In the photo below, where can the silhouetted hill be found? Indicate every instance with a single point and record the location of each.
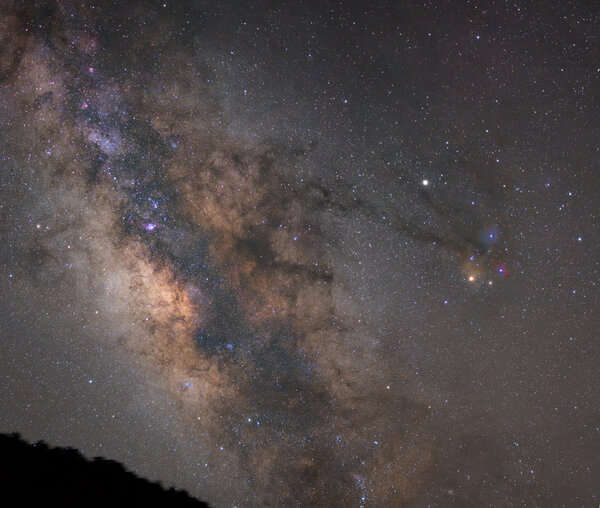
(39, 475)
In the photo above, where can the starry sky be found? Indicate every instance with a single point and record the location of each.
(312, 253)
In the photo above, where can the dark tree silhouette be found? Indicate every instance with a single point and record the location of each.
(40, 475)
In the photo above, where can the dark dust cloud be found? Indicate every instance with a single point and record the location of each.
(306, 253)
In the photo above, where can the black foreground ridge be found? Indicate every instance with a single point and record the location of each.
(40, 475)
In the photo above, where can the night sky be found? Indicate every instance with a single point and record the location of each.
(306, 253)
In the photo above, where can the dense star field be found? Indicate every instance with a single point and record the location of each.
(306, 253)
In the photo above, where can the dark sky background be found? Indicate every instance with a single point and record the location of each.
(306, 253)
